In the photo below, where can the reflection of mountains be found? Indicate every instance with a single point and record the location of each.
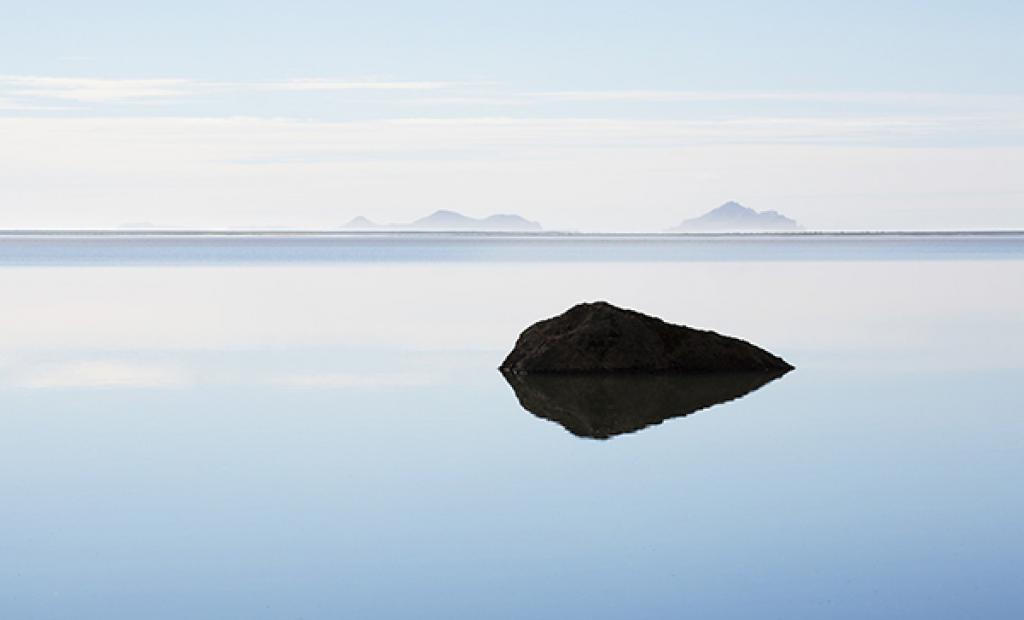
(604, 405)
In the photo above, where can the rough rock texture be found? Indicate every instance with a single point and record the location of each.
(599, 337)
(600, 406)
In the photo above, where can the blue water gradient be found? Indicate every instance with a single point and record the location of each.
(263, 464)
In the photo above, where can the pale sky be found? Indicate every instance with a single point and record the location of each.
(587, 116)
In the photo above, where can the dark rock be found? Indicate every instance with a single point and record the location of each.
(600, 406)
(600, 338)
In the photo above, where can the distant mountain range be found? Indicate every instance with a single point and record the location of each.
(734, 217)
(450, 220)
(729, 217)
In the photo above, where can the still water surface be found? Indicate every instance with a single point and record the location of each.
(326, 435)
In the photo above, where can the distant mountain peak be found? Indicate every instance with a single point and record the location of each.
(733, 207)
(445, 219)
(734, 217)
(360, 222)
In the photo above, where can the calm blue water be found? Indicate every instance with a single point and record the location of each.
(286, 428)
(156, 248)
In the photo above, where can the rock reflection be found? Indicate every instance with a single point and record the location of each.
(600, 406)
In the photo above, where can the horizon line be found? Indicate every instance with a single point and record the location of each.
(151, 232)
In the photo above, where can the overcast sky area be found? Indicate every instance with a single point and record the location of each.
(602, 116)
